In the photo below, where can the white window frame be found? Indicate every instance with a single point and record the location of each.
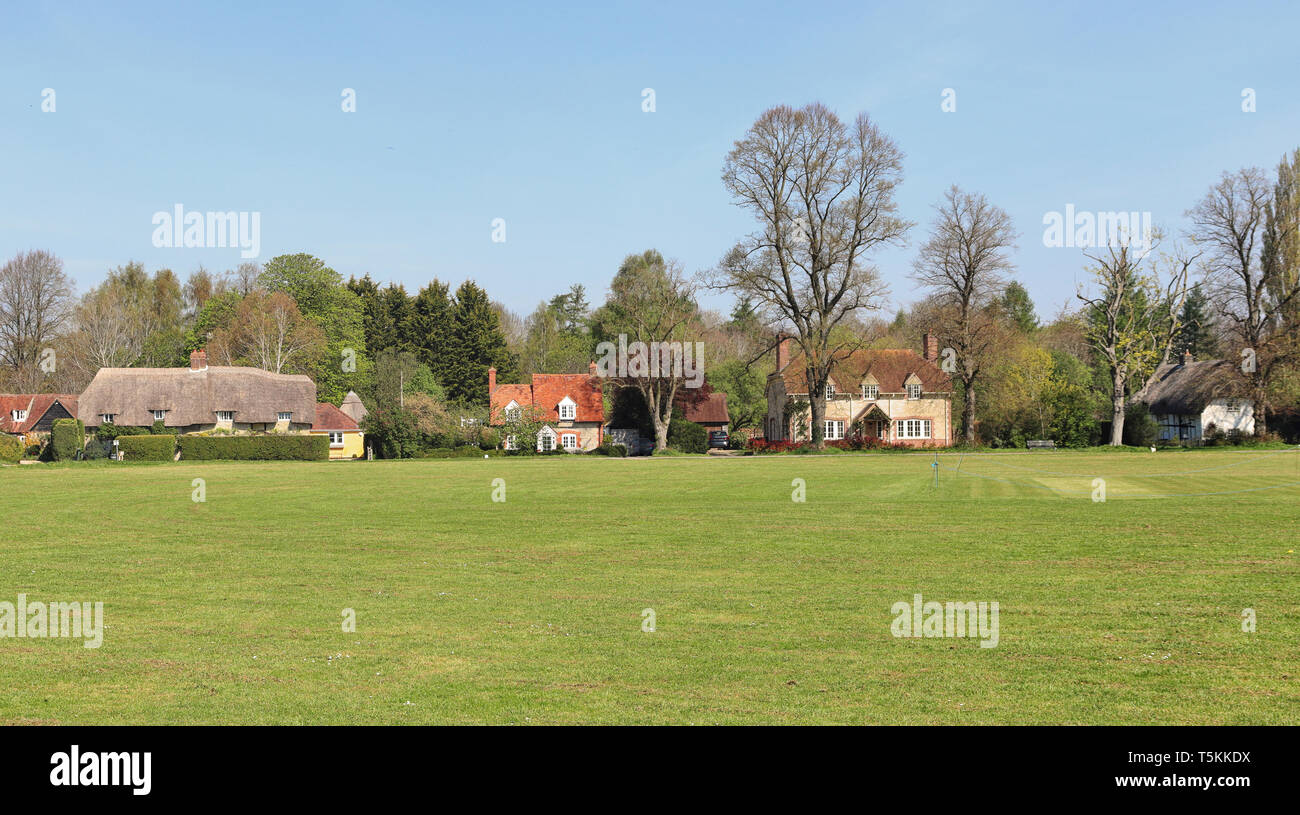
(833, 429)
(1232, 405)
(512, 443)
(339, 435)
(870, 391)
(912, 429)
(568, 410)
(513, 411)
(830, 390)
(546, 439)
(107, 418)
(914, 391)
(569, 442)
(226, 416)
(159, 415)
(284, 416)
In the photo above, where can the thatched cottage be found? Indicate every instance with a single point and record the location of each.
(199, 398)
(1190, 400)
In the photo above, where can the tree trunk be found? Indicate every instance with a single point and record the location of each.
(817, 411)
(1117, 412)
(661, 432)
(968, 413)
(1261, 421)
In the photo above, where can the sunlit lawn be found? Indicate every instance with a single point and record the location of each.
(766, 610)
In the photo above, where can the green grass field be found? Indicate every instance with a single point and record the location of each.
(766, 610)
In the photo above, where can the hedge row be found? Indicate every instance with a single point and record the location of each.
(67, 438)
(11, 450)
(255, 448)
(147, 448)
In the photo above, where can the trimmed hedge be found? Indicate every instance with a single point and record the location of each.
(147, 448)
(688, 437)
(255, 448)
(67, 438)
(11, 450)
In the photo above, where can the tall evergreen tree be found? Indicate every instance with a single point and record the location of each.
(429, 328)
(1015, 307)
(477, 343)
(1196, 327)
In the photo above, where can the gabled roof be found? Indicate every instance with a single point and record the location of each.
(329, 417)
(1187, 388)
(36, 405)
(546, 391)
(193, 397)
(705, 408)
(889, 367)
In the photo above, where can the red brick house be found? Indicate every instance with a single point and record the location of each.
(571, 408)
(894, 395)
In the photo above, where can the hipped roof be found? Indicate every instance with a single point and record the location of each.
(193, 397)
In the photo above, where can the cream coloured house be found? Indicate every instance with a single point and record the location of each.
(891, 395)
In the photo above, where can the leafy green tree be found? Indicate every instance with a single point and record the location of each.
(429, 328)
(1017, 309)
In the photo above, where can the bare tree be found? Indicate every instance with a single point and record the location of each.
(1251, 296)
(271, 333)
(823, 194)
(35, 300)
(1133, 322)
(105, 334)
(964, 264)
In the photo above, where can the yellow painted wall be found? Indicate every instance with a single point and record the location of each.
(354, 444)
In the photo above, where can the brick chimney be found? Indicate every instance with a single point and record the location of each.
(591, 367)
(931, 349)
(199, 360)
(492, 380)
(782, 351)
(1187, 357)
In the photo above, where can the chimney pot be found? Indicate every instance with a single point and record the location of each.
(492, 380)
(782, 351)
(198, 360)
(591, 367)
(930, 351)
(1187, 357)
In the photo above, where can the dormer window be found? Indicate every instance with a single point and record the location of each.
(568, 410)
(870, 391)
(20, 415)
(913, 391)
(830, 390)
(513, 411)
(225, 415)
(284, 416)
(159, 415)
(107, 418)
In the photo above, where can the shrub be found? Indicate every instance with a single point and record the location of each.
(11, 450)
(1140, 427)
(255, 448)
(160, 429)
(67, 438)
(147, 448)
(467, 451)
(688, 437)
(107, 431)
(97, 449)
(612, 450)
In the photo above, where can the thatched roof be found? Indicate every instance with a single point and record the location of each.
(353, 407)
(193, 397)
(1185, 389)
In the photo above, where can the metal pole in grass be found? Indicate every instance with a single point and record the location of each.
(935, 465)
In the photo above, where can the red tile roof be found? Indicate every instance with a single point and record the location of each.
(545, 393)
(36, 404)
(704, 408)
(889, 366)
(329, 417)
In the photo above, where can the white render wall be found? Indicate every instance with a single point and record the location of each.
(1216, 413)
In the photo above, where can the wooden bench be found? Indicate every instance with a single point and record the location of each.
(1041, 444)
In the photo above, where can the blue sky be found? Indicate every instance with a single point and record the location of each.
(532, 113)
